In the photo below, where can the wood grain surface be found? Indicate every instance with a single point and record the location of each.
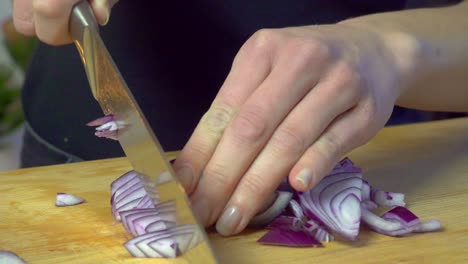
(428, 162)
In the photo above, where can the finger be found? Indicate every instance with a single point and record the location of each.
(249, 69)
(347, 132)
(335, 94)
(291, 78)
(23, 18)
(51, 18)
(102, 10)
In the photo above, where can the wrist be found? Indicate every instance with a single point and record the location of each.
(404, 50)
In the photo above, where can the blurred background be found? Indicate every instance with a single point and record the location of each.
(16, 50)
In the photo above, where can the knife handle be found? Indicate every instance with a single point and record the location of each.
(82, 18)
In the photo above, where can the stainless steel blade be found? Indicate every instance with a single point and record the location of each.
(138, 141)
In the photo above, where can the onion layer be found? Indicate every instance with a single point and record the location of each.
(8, 257)
(66, 199)
(337, 204)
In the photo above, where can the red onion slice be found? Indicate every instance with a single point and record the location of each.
(398, 222)
(154, 226)
(8, 257)
(128, 206)
(107, 127)
(124, 187)
(375, 197)
(163, 246)
(101, 120)
(128, 176)
(286, 222)
(335, 201)
(66, 199)
(129, 217)
(169, 243)
(273, 211)
(289, 238)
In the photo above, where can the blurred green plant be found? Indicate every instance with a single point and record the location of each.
(20, 49)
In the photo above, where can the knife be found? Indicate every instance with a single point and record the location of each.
(136, 137)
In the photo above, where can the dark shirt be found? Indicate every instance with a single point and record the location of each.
(174, 56)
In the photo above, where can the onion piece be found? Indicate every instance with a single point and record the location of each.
(390, 199)
(375, 197)
(66, 199)
(169, 243)
(8, 257)
(101, 120)
(289, 238)
(273, 211)
(107, 127)
(128, 176)
(286, 222)
(299, 222)
(144, 218)
(127, 193)
(336, 202)
(398, 222)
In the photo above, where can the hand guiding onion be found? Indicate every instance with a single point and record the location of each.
(295, 101)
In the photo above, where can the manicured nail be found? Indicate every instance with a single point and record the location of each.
(185, 176)
(102, 4)
(305, 177)
(229, 221)
(201, 209)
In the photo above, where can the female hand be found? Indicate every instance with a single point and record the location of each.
(49, 19)
(295, 101)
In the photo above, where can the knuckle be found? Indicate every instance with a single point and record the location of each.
(350, 81)
(288, 141)
(254, 185)
(329, 145)
(261, 41)
(219, 179)
(250, 124)
(49, 8)
(368, 119)
(217, 118)
(314, 50)
(262, 37)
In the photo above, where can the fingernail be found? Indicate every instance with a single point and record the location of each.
(305, 177)
(229, 221)
(185, 176)
(202, 211)
(102, 4)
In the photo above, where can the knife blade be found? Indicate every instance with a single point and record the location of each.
(136, 137)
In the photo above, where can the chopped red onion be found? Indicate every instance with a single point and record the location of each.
(142, 218)
(286, 222)
(106, 127)
(169, 243)
(289, 238)
(8, 257)
(335, 201)
(299, 222)
(397, 222)
(273, 211)
(66, 199)
(127, 193)
(380, 197)
(338, 203)
(101, 121)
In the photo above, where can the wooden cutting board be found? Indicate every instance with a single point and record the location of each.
(428, 162)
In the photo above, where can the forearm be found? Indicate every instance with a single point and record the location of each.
(430, 47)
